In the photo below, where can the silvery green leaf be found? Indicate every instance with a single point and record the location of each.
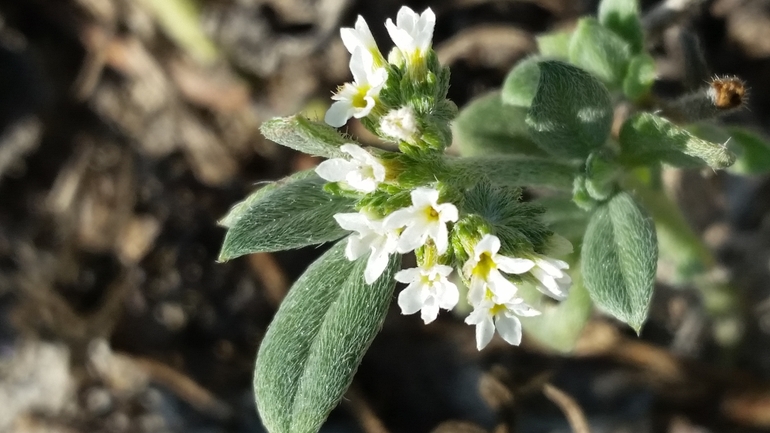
(554, 44)
(640, 77)
(317, 339)
(619, 259)
(622, 17)
(646, 138)
(293, 215)
(520, 84)
(600, 51)
(235, 212)
(302, 134)
(513, 170)
(753, 150)
(571, 114)
(487, 126)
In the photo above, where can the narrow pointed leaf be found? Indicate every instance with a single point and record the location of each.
(316, 341)
(646, 138)
(302, 134)
(293, 215)
(571, 113)
(487, 126)
(619, 260)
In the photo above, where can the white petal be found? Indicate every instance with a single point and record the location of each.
(411, 238)
(360, 65)
(339, 113)
(488, 244)
(398, 218)
(513, 265)
(358, 153)
(429, 311)
(549, 285)
(447, 212)
(450, 296)
(411, 299)
(522, 309)
(442, 238)
(406, 18)
(423, 197)
(477, 290)
(375, 266)
(485, 330)
(442, 270)
(503, 289)
(355, 248)
(509, 328)
(335, 169)
(356, 180)
(552, 266)
(425, 28)
(360, 36)
(408, 275)
(353, 221)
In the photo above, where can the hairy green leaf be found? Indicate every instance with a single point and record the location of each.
(520, 85)
(554, 44)
(640, 77)
(646, 138)
(622, 17)
(600, 51)
(754, 157)
(293, 215)
(514, 170)
(564, 217)
(239, 209)
(571, 114)
(619, 259)
(487, 126)
(300, 133)
(317, 339)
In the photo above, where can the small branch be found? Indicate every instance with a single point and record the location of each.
(570, 407)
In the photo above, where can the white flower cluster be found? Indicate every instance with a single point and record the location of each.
(495, 299)
(412, 34)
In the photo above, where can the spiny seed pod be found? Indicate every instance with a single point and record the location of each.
(721, 96)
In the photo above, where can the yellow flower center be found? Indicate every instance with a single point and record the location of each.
(484, 266)
(497, 309)
(358, 100)
(431, 214)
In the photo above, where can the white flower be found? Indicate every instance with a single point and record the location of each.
(412, 33)
(357, 99)
(424, 219)
(428, 290)
(361, 37)
(483, 269)
(363, 172)
(552, 280)
(370, 236)
(400, 124)
(488, 315)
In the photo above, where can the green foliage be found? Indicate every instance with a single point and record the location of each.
(622, 17)
(640, 77)
(486, 126)
(296, 214)
(564, 217)
(571, 113)
(619, 259)
(560, 324)
(646, 138)
(516, 223)
(300, 133)
(238, 210)
(514, 170)
(554, 45)
(316, 341)
(600, 51)
(520, 85)
(752, 148)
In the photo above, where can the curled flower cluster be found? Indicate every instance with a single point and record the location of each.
(426, 216)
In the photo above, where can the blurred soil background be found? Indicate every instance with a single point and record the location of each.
(128, 127)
